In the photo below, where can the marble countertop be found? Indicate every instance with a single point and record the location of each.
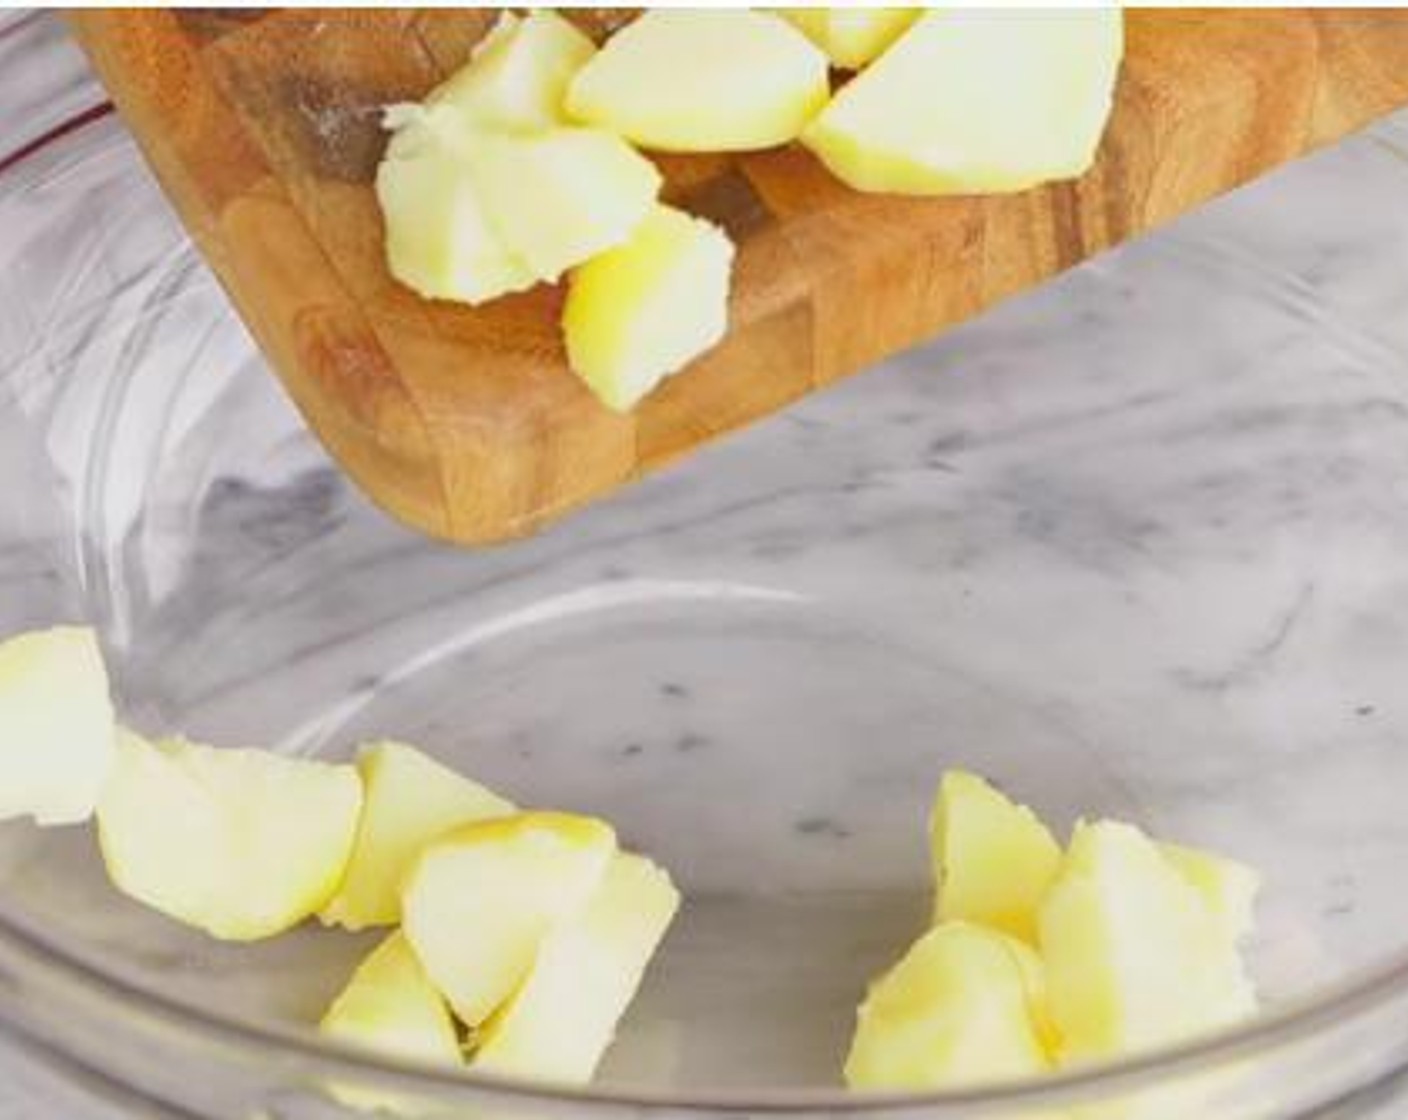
(1270, 403)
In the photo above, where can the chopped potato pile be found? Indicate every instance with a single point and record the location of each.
(518, 938)
(522, 936)
(1040, 958)
(522, 167)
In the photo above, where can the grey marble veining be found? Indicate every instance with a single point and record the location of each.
(1132, 543)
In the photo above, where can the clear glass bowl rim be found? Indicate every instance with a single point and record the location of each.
(112, 1000)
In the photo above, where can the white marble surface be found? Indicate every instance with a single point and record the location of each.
(1132, 543)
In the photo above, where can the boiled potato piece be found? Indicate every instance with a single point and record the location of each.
(695, 80)
(851, 37)
(1228, 888)
(390, 1006)
(1134, 959)
(956, 1010)
(478, 903)
(993, 859)
(560, 197)
(243, 844)
(409, 800)
(643, 310)
(976, 100)
(559, 1023)
(440, 241)
(517, 77)
(56, 725)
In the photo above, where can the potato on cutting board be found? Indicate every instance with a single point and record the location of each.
(829, 278)
(518, 75)
(642, 310)
(976, 100)
(851, 37)
(702, 80)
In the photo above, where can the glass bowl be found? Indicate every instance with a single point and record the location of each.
(1132, 545)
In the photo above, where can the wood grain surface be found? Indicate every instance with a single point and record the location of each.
(263, 128)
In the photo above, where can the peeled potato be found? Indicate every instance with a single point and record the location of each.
(851, 37)
(958, 1009)
(389, 1005)
(558, 198)
(56, 725)
(702, 80)
(1228, 888)
(559, 1023)
(243, 844)
(517, 77)
(976, 100)
(440, 241)
(993, 859)
(410, 800)
(478, 903)
(646, 308)
(1134, 959)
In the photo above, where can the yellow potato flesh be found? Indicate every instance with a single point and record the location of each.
(389, 1005)
(695, 80)
(558, 198)
(956, 1010)
(851, 37)
(1134, 959)
(56, 725)
(410, 800)
(559, 1023)
(993, 859)
(440, 242)
(1228, 888)
(517, 77)
(645, 309)
(976, 100)
(243, 844)
(477, 904)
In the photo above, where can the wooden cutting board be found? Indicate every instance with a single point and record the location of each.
(263, 128)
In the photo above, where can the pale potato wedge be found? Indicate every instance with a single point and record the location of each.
(242, 844)
(702, 80)
(517, 77)
(440, 240)
(956, 1010)
(558, 198)
(56, 725)
(993, 859)
(478, 903)
(641, 311)
(409, 800)
(560, 1022)
(390, 1006)
(1134, 959)
(976, 100)
(851, 37)
(1228, 888)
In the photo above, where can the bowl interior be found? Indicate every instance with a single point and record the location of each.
(1131, 546)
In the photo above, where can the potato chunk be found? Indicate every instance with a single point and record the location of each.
(702, 80)
(975, 100)
(642, 311)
